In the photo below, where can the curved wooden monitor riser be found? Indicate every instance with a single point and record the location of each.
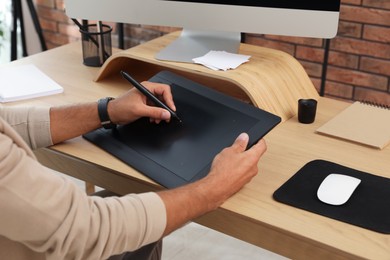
(272, 80)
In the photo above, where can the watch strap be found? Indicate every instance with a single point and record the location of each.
(103, 113)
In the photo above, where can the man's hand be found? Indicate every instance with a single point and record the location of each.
(133, 105)
(231, 169)
(74, 120)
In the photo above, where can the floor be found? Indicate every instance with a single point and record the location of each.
(194, 242)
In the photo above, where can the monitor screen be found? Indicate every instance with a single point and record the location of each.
(222, 20)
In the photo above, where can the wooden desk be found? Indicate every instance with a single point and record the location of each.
(251, 215)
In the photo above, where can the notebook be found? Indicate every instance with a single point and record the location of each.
(362, 122)
(174, 154)
(24, 82)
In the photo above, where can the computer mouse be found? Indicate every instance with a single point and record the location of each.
(336, 188)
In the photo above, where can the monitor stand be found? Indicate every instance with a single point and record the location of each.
(194, 43)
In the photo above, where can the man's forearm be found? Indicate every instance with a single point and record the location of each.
(187, 203)
(67, 122)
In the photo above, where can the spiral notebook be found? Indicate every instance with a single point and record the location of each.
(362, 122)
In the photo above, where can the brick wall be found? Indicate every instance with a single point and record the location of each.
(359, 57)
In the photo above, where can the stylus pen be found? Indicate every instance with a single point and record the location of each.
(148, 94)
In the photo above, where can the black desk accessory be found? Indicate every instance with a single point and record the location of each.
(83, 28)
(307, 110)
(174, 154)
(368, 207)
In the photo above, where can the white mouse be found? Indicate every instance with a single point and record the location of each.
(336, 189)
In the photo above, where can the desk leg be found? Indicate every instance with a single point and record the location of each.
(89, 188)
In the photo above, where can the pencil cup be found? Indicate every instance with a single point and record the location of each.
(307, 110)
(96, 44)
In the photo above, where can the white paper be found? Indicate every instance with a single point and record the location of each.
(222, 60)
(24, 82)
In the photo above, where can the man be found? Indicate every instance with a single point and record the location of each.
(44, 216)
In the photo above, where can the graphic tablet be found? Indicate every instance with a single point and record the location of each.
(174, 154)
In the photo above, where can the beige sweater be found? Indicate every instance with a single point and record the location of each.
(45, 216)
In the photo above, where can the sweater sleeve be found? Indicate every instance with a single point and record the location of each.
(31, 123)
(50, 214)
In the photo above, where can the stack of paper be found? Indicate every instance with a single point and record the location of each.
(221, 60)
(25, 81)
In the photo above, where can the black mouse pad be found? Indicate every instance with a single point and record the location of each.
(368, 207)
(174, 154)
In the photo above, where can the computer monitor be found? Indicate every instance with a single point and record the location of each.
(215, 24)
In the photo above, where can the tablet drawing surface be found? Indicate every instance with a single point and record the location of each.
(176, 153)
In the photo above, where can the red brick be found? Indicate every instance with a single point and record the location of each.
(335, 58)
(338, 89)
(365, 15)
(376, 66)
(129, 43)
(353, 2)
(49, 45)
(339, 59)
(357, 78)
(310, 53)
(114, 41)
(52, 14)
(361, 47)
(48, 25)
(373, 96)
(377, 33)
(260, 41)
(111, 24)
(350, 29)
(342, 59)
(60, 5)
(316, 82)
(72, 39)
(163, 29)
(297, 40)
(385, 4)
(56, 38)
(312, 69)
(142, 34)
(69, 30)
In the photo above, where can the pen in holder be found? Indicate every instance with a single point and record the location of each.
(96, 44)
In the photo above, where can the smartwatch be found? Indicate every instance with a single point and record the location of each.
(103, 113)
